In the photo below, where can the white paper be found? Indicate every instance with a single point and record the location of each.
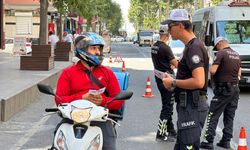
(97, 92)
(159, 74)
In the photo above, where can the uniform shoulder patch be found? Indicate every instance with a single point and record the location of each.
(196, 59)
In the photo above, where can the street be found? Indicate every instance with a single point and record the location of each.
(32, 128)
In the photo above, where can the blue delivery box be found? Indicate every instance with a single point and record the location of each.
(123, 78)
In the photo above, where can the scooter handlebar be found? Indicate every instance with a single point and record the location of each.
(51, 109)
(115, 116)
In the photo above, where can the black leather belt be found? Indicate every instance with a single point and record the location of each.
(192, 93)
(226, 84)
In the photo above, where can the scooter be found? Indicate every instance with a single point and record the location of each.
(74, 131)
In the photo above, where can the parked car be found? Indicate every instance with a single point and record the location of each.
(117, 39)
(9, 45)
(16, 46)
(135, 39)
(28, 46)
(177, 47)
(156, 37)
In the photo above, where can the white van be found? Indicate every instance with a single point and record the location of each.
(145, 37)
(230, 20)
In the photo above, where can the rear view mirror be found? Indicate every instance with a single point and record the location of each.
(45, 89)
(208, 40)
(124, 95)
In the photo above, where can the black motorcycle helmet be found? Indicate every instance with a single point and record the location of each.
(82, 43)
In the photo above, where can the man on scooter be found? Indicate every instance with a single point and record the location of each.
(75, 82)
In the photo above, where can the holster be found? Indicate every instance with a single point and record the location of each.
(222, 88)
(196, 95)
(183, 99)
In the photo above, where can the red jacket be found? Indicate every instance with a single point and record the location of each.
(74, 82)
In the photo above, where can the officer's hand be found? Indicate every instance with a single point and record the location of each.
(172, 67)
(167, 82)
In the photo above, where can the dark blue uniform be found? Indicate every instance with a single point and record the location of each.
(226, 95)
(161, 56)
(192, 105)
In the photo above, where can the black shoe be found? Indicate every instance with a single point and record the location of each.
(206, 145)
(164, 138)
(172, 133)
(224, 144)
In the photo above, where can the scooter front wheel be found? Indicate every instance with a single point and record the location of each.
(53, 148)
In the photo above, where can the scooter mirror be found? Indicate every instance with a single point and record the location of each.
(45, 89)
(123, 95)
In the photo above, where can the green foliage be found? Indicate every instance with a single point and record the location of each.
(114, 20)
(61, 6)
(147, 14)
(107, 12)
(216, 2)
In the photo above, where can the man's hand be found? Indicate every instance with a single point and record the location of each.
(167, 82)
(96, 99)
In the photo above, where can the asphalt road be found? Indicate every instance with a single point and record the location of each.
(31, 129)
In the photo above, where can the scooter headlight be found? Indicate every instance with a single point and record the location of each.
(95, 143)
(80, 115)
(61, 141)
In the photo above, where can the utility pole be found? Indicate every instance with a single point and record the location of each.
(2, 42)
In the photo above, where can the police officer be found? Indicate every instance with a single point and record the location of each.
(190, 85)
(164, 60)
(226, 72)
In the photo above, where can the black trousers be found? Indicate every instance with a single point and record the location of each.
(167, 100)
(226, 102)
(190, 122)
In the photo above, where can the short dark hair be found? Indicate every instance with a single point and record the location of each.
(187, 24)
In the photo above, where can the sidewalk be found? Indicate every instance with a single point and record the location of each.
(18, 87)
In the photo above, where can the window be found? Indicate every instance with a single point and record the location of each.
(146, 33)
(9, 12)
(9, 41)
(236, 32)
(23, 23)
(197, 29)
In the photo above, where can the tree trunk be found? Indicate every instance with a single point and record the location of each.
(60, 29)
(167, 8)
(43, 34)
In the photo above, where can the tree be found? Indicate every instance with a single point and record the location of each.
(107, 12)
(114, 21)
(43, 33)
(147, 14)
(62, 7)
(135, 13)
